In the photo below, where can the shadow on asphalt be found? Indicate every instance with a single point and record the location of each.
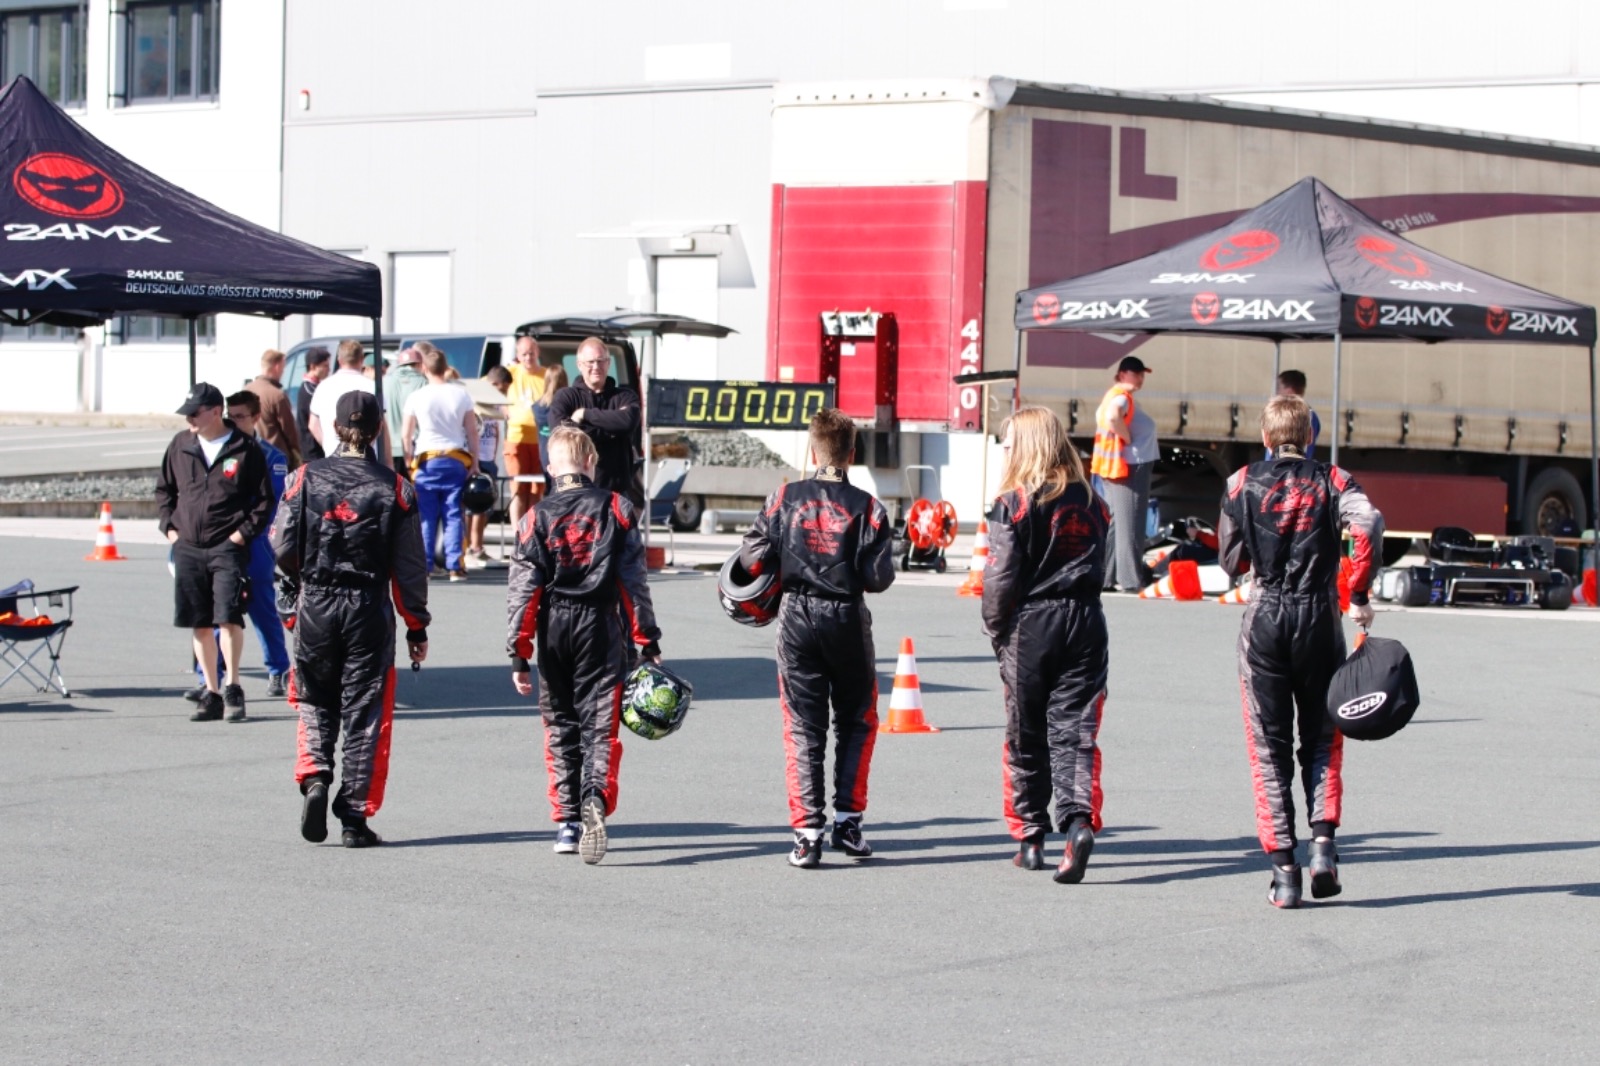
(1591, 890)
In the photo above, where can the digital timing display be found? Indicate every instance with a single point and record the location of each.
(736, 404)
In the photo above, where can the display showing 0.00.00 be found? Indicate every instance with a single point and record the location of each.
(736, 404)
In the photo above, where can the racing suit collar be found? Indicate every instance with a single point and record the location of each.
(569, 482)
(832, 473)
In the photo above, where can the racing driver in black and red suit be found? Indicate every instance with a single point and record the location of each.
(348, 532)
(577, 583)
(830, 542)
(1282, 518)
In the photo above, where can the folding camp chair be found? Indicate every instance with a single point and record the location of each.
(665, 487)
(24, 636)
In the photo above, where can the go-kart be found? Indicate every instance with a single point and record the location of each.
(1462, 571)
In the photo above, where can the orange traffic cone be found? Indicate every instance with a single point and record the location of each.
(1181, 583)
(905, 702)
(973, 585)
(1238, 594)
(105, 540)
(1583, 593)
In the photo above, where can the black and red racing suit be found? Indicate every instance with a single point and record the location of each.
(577, 585)
(1282, 518)
(348, 532)
(831, 542)
(1041, 611)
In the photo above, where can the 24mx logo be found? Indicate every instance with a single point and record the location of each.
(35, 280)
(67, 231)
(1413, 315)
(1540, 322)
(1075, 311)
(1197, 279)
(1237, 309)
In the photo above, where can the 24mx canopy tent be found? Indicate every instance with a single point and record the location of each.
(90, 235)
(1309, 265)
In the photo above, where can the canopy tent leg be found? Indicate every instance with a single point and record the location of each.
(1337, 369)
(387, 455)
(1277, 365)
(1594, 451)
(193, 374)
(1016, 384)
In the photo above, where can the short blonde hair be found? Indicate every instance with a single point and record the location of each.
(833, 436)
(1042, 461)
(271, 358)
(573, 446)
(1286, 420)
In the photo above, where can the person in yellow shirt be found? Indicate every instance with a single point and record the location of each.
(522, 428)
(1125, 454)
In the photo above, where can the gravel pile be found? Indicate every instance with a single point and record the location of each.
(723, 448)
(88, 489)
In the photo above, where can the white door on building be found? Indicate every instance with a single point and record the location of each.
(687, 285)
(420, 283)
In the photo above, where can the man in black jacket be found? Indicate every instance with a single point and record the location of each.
(348, 532)
(214, 494)
(609, 414)
(830, 542)
(577, 583)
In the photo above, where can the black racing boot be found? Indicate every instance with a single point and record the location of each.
(357, 835)
(848, 839)
(1324, 869)
(314, 811)
(1030, 853)
(807, 853)
(1075, 860)
(1286, 883)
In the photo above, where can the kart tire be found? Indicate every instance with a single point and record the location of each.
(1557, 595)
(1410, 591)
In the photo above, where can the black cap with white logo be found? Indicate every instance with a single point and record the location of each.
(201, 394)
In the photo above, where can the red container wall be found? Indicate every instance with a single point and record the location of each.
(915, 250)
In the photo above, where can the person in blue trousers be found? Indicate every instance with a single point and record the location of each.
(440, 434)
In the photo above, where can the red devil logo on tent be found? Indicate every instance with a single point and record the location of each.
(1381, 252)
(1205, 307)
(1046, 306)
(1366, 312)
(1241, 249)
(1497, 320)
(66, 185)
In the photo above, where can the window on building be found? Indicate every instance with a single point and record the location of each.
(160, 329)
(37, 334)
(173, 51)
(47, 45)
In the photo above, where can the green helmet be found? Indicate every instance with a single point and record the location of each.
(655, 701)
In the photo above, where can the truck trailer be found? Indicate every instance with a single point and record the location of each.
(906, 218)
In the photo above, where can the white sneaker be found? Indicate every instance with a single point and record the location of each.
(475, 562)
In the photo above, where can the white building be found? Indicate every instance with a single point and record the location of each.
(502, 159)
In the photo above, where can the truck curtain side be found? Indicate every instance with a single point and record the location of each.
(875, 192)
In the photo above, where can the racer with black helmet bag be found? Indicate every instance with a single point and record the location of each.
(577, 585)
(1282, 517)
(829, 542)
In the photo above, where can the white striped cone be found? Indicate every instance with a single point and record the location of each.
(105, 540)
(973, 585)
(1238, 594)
(905, 701)
(1160, 590)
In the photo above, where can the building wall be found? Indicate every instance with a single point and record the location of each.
(227, 152)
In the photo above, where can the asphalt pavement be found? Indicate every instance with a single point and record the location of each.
(159, 906)
(57, 450)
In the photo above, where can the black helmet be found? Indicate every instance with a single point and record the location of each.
(479, 496)
(750, 601)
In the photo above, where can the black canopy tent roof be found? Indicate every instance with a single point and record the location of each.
(90, 235)
(1309, 265)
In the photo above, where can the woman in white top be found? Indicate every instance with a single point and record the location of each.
(439, 424)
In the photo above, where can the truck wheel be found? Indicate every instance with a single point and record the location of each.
(1410, 590)
(1557, 595)
(686, 513)
(1554, 498)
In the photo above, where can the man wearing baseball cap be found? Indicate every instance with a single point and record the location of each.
(348, 533)
(1125, 454)
(214, 494)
